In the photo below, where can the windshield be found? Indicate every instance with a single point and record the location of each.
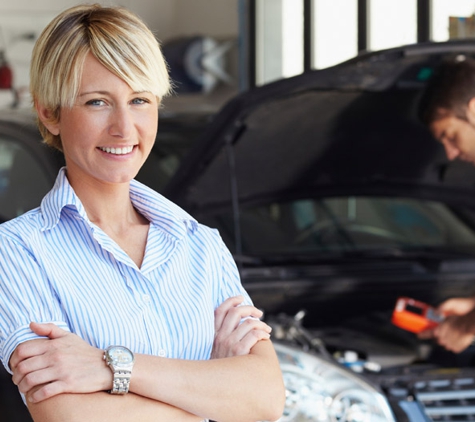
(349, 224)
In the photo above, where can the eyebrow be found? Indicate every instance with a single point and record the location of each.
(82, 94)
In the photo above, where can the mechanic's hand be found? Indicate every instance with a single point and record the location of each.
(456, 332)
(233, 338)
(61, 363)
(457, 306)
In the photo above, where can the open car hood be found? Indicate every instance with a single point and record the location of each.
(348, 129)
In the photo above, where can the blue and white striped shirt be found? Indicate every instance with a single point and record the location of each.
(56, 266)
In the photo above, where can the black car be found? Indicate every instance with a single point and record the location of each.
(336, 201)
(27, 167)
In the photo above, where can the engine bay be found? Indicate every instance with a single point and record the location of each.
(421, 381)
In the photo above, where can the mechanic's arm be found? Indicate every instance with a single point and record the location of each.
(457, 331)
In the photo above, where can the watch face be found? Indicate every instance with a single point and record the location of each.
(120, 355)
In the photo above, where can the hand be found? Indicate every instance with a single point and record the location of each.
(61, 363)
(457, 306)
(233, 338)
(456, 332)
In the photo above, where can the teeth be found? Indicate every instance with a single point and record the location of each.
(117, 151)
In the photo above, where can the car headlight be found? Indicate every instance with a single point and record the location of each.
(320, 390)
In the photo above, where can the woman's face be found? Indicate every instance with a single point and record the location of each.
(109, 132)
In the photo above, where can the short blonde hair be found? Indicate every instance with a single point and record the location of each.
(116, 37)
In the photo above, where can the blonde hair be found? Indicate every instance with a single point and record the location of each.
(116, 37)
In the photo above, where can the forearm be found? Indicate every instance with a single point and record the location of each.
(104, 407)
(247, 387)
(240, 388)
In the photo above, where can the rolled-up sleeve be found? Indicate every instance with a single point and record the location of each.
(25, 296)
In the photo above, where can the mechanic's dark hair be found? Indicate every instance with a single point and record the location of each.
(448, 91)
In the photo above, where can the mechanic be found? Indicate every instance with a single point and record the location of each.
(447, 107)
(115, 304)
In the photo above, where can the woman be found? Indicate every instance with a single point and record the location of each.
(105, 261)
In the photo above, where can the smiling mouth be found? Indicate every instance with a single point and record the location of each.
(117, 151)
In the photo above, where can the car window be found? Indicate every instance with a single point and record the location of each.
(349, 224)
(23, 183)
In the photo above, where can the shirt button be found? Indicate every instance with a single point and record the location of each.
(162, 353)
(146, 298)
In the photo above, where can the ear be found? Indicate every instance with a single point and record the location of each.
(471, 111)
(47, 118)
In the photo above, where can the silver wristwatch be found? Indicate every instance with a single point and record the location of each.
(121, 361)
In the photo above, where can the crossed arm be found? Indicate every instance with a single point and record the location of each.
(64, 378)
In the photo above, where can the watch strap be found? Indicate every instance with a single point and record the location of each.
(120, 384)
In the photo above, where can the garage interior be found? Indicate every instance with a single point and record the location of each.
(220, 49)
(249, 42)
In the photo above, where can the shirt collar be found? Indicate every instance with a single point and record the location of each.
(161, 212)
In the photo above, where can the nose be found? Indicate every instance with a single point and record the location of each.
(451, 151)
(121, 123)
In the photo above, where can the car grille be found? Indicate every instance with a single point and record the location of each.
(429, 394)
(447, 399)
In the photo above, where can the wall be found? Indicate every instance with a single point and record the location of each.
(22, 20)
(217, 18)
(167, 18)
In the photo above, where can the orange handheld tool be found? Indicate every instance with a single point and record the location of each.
(415, 316)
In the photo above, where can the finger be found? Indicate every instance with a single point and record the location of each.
(36, 346)
(251, 339)
(440, 332)
(46, 391)
(426, 335)
(242, 347)
(453, 306)
(36, 378)
(456, 345)
(27, 350)
(25, 367)
(250, 311)
(222, 310)
(48, 330)
(226, 340)
(28, 370)
(452, 339)
(457, 306)
(248, 326)
(235, 316)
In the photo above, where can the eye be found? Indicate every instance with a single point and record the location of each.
(95, 102)
(140, 101)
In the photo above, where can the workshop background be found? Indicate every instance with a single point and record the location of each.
(249, 42)
(217, 49)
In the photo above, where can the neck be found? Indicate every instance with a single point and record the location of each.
(107, 205)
